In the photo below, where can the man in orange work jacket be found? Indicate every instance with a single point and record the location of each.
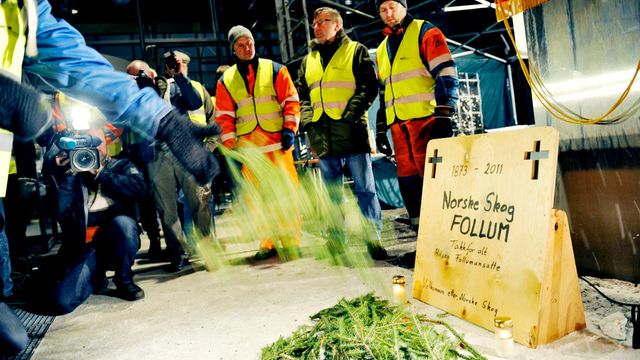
(420, 94)
(257, 104)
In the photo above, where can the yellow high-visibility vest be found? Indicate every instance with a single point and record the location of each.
(409, 88)
(197, 116)
(12, 46)
(331, 88)
(261, 108)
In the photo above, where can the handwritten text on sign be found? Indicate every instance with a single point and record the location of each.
(483, 225)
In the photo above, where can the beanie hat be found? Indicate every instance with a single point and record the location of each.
(236, 32)
(402, 2)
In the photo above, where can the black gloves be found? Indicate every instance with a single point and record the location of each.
(23, 110)
(287, 139)
(442, 127)
(184, 139)
(382, 143)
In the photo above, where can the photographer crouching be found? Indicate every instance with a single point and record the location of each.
(96, 198)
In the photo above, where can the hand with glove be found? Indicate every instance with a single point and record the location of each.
(442, 127)
(23, 110)
(287, 139)
(185, 141)
(382, 143)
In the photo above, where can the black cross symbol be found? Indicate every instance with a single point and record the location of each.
(536, 155)
(435, 160)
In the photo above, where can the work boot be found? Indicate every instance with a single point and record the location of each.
(129, 291)
(178, 265)
(264, 254)
(156, 255)
(376, 250)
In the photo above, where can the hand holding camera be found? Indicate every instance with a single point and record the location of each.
(173, 63)
(79, 152)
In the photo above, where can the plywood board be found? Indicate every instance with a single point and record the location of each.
(484, 223)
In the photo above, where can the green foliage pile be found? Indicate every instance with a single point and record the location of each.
(368, 327)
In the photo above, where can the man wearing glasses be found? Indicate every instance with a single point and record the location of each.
(337, 84)
(420, 94)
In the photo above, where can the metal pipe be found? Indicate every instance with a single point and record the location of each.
(214, 27)
(143, 46)
(347, 8)
(460, 45)
(306, 22)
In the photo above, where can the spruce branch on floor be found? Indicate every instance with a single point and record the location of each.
(368, 327)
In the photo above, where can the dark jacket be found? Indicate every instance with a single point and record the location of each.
(123, 183)
(350, 135)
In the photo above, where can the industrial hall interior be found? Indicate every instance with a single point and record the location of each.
(319, 179)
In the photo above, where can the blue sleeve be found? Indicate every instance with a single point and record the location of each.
(447, 91)
(65, 63)
(189, 98)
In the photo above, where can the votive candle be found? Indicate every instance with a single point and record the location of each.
(399, 290)
(503, 326)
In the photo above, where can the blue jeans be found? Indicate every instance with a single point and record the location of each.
(332, 169)
(13, 335)
(116, 244)
(5, 261)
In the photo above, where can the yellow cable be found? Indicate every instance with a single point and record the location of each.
(557, 110)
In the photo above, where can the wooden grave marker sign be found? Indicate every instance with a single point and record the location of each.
(489, 242)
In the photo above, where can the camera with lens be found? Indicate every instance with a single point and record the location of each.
(83, 151)
(143, 80)
(171, 62)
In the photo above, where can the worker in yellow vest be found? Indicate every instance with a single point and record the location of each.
(420, 95)
(257, 105)
(337, 84)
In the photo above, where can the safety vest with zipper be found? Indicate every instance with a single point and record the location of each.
(331, 88)
(409, 88)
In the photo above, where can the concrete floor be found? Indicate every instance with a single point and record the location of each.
(234, 312)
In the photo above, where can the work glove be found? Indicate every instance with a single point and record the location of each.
(23, 110)
(185, 141)
(442, 127)
(287, 139)
(382, 143)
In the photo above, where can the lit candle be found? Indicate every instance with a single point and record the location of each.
(504, 336)
(399, 290)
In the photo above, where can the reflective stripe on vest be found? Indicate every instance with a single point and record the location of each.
(6, 142)
(198, 116)
(331, 88)
(408, 86)
(261, 108)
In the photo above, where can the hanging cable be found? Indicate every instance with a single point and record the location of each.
(504, 10)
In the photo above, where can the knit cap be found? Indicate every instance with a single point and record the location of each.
(402, 2)
(236, 33)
